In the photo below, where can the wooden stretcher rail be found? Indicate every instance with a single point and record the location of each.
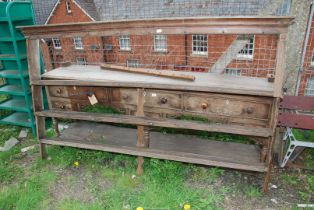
(146, 121)
(191, 25)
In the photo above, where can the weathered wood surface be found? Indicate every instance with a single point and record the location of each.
(151, 72)
(37, 95)
(94, 76)
(188, 25)
(170, 123)
(176, 147)
(280, 65)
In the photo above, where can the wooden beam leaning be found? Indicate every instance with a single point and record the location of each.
(151, 72)
(37, 97)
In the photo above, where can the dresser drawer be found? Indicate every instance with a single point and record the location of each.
(124, 96)
(239, 109)
(60, 104)
(163, 99)
(58, 91)
(82, 93)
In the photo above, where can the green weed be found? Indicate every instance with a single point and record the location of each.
(252, 192)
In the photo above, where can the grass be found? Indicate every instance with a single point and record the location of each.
(252, 192)
(108, 181)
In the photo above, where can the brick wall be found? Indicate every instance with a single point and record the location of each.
(68, 53)
(308, 68)
(179, 54)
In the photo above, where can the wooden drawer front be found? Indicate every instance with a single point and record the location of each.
(232, 107)
(124, 96)
(82, 93)
(61, 104)
(58, 91)
(163, 99)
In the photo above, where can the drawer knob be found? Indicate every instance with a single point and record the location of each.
(125, 97)
(163, 100)
(204, 105)
(59, 91)
(249, 110)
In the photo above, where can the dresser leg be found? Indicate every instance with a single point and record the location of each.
(43, 151)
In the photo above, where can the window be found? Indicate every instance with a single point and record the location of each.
(56, 43)
(78, 44)
(68, 7)
(248, 50)
(309, 90)
(133, 63)
(80, 61)
(125, 43)
(233, 72)
(199, 44)
(312, 59)
(160, 43)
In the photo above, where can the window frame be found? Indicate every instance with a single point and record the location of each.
(122, 39)
(77, 40)
(54, 41)
(199, 53)
(137, 65)
(83, 62)
(247, 55)
(228, 70)
(309, 88)
(68, 7)
(158, 48)
(312, 59)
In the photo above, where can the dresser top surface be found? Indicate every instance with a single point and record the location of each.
(205, 82)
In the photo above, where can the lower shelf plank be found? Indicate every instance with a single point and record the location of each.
(175, 147)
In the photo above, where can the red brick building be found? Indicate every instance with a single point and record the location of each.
(256, 56)
(306, 86)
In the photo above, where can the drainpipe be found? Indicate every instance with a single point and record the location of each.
(304, 49)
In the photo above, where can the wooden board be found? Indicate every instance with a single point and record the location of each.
(175, 25)
(176, 147)
(206, 82)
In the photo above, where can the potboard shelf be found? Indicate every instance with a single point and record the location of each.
(175, 147)
(170, 123)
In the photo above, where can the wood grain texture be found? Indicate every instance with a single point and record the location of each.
(170, 123)
(205, 82)
(177, 147)
(280, 65)
(151, 72)
(187, 25)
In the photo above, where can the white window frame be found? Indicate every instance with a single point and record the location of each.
(133, 63)
(249, 47)
(56, 43)
(125, 43)
(309, 89)
(312, 59)
(198, 43)
(81, 61)
(68, 7)
(233, 72)
(78, 43)
(160, 43)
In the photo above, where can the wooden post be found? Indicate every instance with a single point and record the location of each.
(33, 52)
(142, 131)
(280, 65)
(269, 158)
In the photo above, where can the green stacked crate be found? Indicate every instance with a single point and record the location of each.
(14, 67)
